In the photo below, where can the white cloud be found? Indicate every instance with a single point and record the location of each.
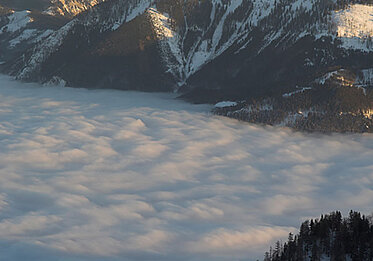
(26, 225)
(103, 175)
(221, 240)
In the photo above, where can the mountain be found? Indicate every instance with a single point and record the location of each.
(70, 8)
(25, 24)
(252, 51)
(53, 7)
(21, 5)
(330, 238)
(340, 101)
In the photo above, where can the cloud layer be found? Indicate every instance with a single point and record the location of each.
(110, 175)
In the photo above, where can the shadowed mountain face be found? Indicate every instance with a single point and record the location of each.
(26, 4)
(54, 7)
(209, 50)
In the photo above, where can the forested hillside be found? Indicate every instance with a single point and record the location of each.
(339, 101)
(330, 238)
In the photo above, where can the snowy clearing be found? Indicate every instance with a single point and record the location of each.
(110, 175)
(355, 21)
(354, 26)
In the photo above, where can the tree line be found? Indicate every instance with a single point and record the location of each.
(331, 237)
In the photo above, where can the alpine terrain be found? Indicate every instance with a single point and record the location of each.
(303, 64)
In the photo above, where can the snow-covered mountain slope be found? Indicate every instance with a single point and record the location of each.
(21, 30)
(354, 25)
(17, 21)
(292, 46)
(68, 8)
(195, 41)
(95, 23)
(23, 24)
(225, 47)
(186, 41)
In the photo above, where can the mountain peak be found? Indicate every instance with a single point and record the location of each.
(71, 7)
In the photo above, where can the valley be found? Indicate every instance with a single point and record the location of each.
(114, 175)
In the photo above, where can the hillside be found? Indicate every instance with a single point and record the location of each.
(68, 8)
(330, 238)
(339, 101)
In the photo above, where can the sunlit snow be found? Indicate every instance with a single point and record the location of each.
(355, 26)
(71, 7)
(110, 175)
(355, 21)
(169, 42)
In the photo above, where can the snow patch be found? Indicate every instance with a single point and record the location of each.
(224, 104)
(55, 82)
(208, 49)
(326, 77)
(136, 10)
(44, 49)
(286, 95)
(26, 35)
(43, 35)
(355, 21)
(31, 35)
(161, 23)
(354, 26)
(17, 21)
(170, 42)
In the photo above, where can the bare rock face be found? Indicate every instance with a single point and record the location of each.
(68, 8)
(71, 8)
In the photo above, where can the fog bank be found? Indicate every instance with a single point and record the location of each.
(113, 175)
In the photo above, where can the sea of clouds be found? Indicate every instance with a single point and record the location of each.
(111, 175)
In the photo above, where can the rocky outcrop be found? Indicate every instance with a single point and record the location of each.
(71, 8)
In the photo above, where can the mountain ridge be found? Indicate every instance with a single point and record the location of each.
(207, 50)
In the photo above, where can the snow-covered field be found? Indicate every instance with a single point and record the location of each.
(110, 175)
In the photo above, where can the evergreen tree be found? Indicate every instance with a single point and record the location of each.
(331, 237)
